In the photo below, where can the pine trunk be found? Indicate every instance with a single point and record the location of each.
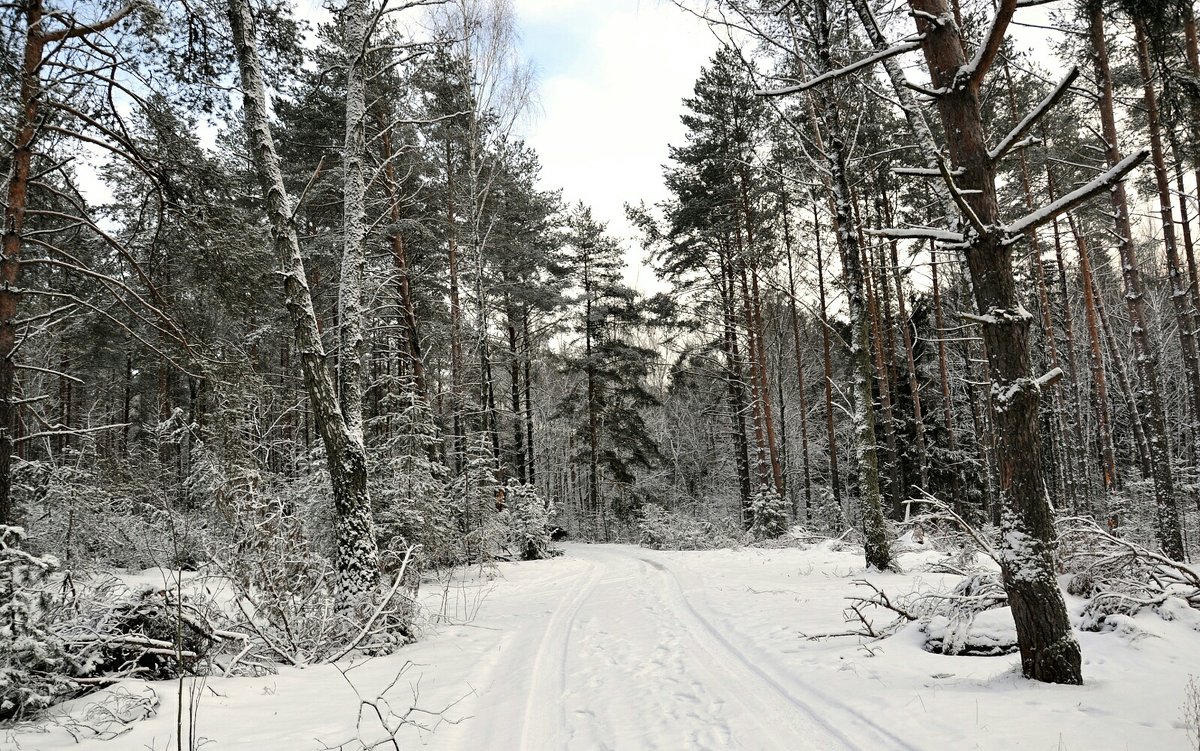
(1181, 293)
(944, 381)
(14, 223)
(803, 395)
(735, 385)
(1048, 650)
(357, 555)
(1150, 404)
(408, 308)
(835, 481)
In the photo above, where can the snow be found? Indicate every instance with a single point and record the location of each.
(991, 632)
(619, 647)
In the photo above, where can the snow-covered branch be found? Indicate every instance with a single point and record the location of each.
(986, 54)
(898, 49)
(1078, 196)
(918, 233)
(1016, 134)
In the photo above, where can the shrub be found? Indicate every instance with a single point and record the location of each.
(664, 530)
(528, 518)
(769, 513)
(36, 669)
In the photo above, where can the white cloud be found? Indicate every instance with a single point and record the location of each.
(540, 9)
(610, 111)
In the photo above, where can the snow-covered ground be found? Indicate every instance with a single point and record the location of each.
(619, 647)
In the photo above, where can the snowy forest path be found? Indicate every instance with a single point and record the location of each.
(618, 656)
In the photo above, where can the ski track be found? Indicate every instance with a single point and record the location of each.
(761, 669)
(541, 725)
(626, 661)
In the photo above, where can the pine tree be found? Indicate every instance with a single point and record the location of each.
(612, 394)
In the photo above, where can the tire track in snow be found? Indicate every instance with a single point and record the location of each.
(718, 642)
(544, 719)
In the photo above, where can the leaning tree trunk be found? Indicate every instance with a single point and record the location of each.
(357, 555)
(1049, 652)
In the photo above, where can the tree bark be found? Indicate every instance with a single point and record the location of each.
(1048, 650)
(357, 554)
(1145, 351)
(351, 342)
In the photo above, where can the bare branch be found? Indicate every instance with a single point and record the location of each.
(898, 49)
(74, 32)
(1023, 127)
(959, 199)
(1077, 197)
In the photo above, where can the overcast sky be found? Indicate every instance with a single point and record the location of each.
(612, 76)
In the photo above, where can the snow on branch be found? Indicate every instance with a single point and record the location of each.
(1016, 134)
(1050, 378)
(917, 233)
(959, 199)
(986, 54)
(1078, 196)
(898, 49)
(921, 172)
